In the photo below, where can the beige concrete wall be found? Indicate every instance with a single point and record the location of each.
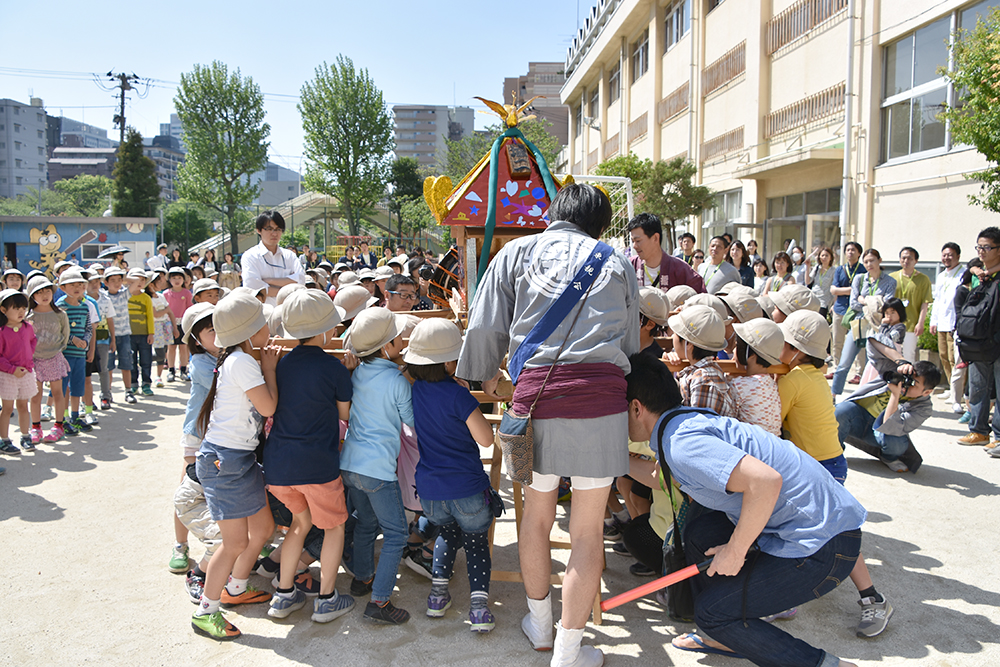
(674, 136)
(725, 27)
(811, 64)
(731, 106)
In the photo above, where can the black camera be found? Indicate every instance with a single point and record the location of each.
(905, 381)
(426, 271)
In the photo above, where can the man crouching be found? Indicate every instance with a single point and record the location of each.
(781, 530)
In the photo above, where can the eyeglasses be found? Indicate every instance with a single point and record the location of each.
(986, 248)
(404, 297)
(699, 257)
(270, 229)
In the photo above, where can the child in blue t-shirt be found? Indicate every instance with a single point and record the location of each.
(453, 488)
(302, 454)
(73, 303)
(381, 405)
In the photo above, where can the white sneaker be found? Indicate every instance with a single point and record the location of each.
(47, 413)
(945, 396)
(159, 383)
(957, 408)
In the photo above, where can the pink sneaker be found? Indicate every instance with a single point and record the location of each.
(36, 435)
(54, 434)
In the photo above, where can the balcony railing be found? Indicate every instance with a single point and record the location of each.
(725, 69)
(799, 19)
(638, 128)
(592, 160)
(611, 146)
(722, 144)
(824, 103)
(673, 104)
(578, 167)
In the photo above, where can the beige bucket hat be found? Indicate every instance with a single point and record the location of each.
(308, 313)
(37, 283)
(348, 278)
(353, 299)
(678, 294)
(192, 316)
(76, 276)
(433, 341)
(236, 318)
(286, 291)
(701, 326)
(203, 285)
(654, 304)
(807, 331)
(713, 302)
(743, 305)
(795, 297)
(371, 330)
(764, 336)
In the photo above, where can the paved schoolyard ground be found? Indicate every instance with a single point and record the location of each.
(87, 530)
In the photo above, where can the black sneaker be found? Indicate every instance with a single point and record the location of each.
(69, 428)
(105, 404)
(620, 549)
(8, 447)
(82, 426)
(26, 444)
(415, 560)
(359, 588)
(640, 570)
(387, 615)
(130, 397)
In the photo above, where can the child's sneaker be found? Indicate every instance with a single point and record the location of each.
(266, 567)
(482, 620)
(186, 377)
(47, 413)
(81, 426)
(55, 433)
(283, 605)
(146, 391)
(36, 435)
(386, 614)
(26, 444)
(159, 383)
(8, 447)
(130, 398)
(326, 610)
(105, 404)
(437, 605)
(214, 626)
(91, 419)
(134, 389)
(415, 560)
(171, 376)
(195, 586)
(69, 428)
(786, 615)
(178, 559)
(250, 596)
(359, 588)
(304, 582)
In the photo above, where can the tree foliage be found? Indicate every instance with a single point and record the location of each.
(136, 192)
(88, 195)
(53, 203)
(348, 138)
(407, 184)
(415, 216)
(975, 120)
(463, 154)
(222, 115)
(186, 224)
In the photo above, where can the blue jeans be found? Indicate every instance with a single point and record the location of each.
(379, 507)
(846, 359)
(854, 420)
(142, 356)
(766, 585)
(983, 376)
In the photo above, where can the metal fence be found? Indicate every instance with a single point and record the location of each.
(797, 20)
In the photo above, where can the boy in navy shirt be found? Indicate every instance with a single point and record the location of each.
(302, 454)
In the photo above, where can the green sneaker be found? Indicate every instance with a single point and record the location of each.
(146, 391)
(179, 560)
(214, 626)
(267, 550)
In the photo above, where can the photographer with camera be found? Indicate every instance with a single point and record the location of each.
(879, 416)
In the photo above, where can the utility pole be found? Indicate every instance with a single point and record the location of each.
(124, 83)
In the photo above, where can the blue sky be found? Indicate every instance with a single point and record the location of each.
(417, 52)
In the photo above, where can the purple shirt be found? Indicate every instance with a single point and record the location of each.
(17, 348)
(673, 271)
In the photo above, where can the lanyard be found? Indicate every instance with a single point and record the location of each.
(872, 285)
(709, 277)
(850, 276)
(650, 276)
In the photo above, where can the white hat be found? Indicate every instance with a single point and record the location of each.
(807, 331)
(433, 341)
(113, 271)
(678, 294)
(795, 297)
(340, 268)
(192, 316)
(384, 273)
(701, 326)
(735, 288)
(365, 274)
(236, 319)
(764, 336)
(353, 299)
(136, 274)
(348, 278)
(713, 302)
(286, 291)
(243, 289)
(308, 313)
(371, 330)
(766, 304)
(399, 260)
(12, 272)
(9, 292)
(653, 303)
(37, 283)
(59, 265)
(75, 276)
(743, 305)
(97, 266)
(203, 285)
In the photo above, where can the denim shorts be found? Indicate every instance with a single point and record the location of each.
(472, 514)
(77, 373)
(123, 354)
(232, 480)
(837, 466)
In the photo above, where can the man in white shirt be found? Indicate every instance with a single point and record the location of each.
(943, 320)
(266, 264)
(716, 271)
(159, 260)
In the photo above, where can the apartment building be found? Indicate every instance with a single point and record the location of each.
(546, 80)
(782, 104)
(23, 156)
(421, 131)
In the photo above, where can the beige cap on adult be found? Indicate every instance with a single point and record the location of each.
(795, 297)
(807, 331)
(308, 313)
(743, 305)
(701, 326)
(654, 304)
(764, 336)
(433, 341)
(236, 318)
(371, 330)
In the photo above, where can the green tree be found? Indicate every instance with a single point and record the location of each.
(88, 194)
(186, 224)
(975, 120)
(136, 193)
(406, 185)
(222, 115)
(348, 138)
(53, 203)
(415, 217)
(465, 153)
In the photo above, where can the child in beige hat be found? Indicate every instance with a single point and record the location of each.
(759, 343)
(654, 310)
(699, 335)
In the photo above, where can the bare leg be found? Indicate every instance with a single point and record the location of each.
(583, 573)
(23, 417)
(329, 558)
(294, 539)
(860, 576)
(235, 541)
(533, 542)
(5, 413)
(261, 527)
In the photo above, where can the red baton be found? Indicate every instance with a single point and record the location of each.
(655, 585)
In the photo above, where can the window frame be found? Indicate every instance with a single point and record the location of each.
(640, 56)
(682, 8)
(615, 83)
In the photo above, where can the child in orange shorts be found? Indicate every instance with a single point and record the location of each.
(302, 454)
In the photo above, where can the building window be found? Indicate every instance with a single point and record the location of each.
(18, 180)
(92, 250)
(41, 167)
(678, 23)
(726, 209)
(614, 83)
(913, 91)
(17, 164)
(17, 145)
(41, 150)
(712, 4)
(17, 111)
(595, 100)
(17, 128)
(578, 120)
(640, 56)
(39, 134)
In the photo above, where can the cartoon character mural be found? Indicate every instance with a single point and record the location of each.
(49, 243)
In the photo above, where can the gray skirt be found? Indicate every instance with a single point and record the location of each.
(584, 447)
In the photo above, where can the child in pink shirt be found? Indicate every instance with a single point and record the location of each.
(179, 299)
(17, 375)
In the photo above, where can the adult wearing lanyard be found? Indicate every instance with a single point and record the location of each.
(268, 266)
(843, 278)
(865, 286)
(653, 267)
(914, 290)
(943, 319)
(716, 271)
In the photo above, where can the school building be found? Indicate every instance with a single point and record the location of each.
(792, 109)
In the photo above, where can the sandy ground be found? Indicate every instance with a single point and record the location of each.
(86, 525)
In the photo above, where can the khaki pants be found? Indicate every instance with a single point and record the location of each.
(838, 333)
(946, 350)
